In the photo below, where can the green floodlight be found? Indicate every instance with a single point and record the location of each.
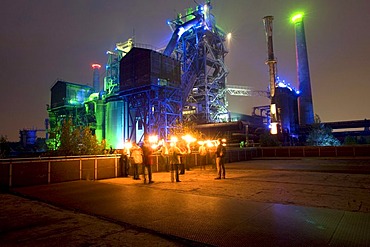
(297, 17)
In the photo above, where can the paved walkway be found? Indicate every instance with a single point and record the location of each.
(166, 217)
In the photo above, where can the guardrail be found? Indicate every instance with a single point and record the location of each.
(36, 171)
(20, 172)
(47, 170)
(310, 151)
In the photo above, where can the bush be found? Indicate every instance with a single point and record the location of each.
(77, 141)
(321, 135)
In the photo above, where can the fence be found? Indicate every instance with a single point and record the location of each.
(310, 151)
(36, 171)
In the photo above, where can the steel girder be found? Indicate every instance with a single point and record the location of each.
(202, 53)
(157, 108)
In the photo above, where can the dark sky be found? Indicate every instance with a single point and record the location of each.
(45, 40)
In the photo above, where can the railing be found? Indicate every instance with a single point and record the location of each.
(36, 171)
(311, 151)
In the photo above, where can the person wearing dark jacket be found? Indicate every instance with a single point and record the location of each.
(220, 160)
(147, 161)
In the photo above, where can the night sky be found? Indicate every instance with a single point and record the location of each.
(46, 40)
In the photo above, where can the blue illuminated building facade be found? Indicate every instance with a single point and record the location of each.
(149, 91)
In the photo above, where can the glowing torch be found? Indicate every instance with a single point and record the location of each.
(153, 140)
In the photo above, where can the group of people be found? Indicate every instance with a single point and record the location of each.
(135, 156)
(173, 157)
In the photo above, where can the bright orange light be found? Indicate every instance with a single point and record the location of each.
(201, 142)
(273, 109)
(188, 138)
(161, 142)
(210, 143)
(273, 128)
(174, 139)
(127, 145)
(153, 139)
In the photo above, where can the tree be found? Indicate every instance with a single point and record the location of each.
(321, 135)
(77, 140)
(350, 140)
(88, 142)
(67, 142)
(184, 128)
(4, 147)
(268, 140)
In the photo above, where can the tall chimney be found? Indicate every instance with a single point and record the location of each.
(305, 106)
(271, 62)
(96, 77)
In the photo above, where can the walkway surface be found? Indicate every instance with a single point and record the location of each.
(199, 211)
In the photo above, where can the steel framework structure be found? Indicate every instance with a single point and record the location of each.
(150, 85)
(111, 80)
(201, 50)
(156, 108)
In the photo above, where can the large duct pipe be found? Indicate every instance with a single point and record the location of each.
(180, 30)
(305, 106)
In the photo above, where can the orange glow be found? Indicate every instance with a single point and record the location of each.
(188, 138)
(153, 139)
(273, 128)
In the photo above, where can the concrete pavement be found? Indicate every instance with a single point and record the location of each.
(173, 216)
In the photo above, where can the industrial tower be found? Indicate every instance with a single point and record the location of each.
(200, 46)
(271, 62)
(305, 105)
(283, 107)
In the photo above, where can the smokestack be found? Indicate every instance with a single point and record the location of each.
(96, 77)
(271, 62)
(305, 106)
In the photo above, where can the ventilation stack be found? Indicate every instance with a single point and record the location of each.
(305, 106)
(96, 77)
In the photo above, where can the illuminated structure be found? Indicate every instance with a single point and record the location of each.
(67, 101)
(150, 85)
(96, 77)
(305, 106)
(271, 62)
(283, 107)
(146, 92)
(199, 44)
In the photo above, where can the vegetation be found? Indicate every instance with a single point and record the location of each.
(4, 147)
(184, 128)
(269, 140)
(350, 140)
(77, 141)
(321, 135)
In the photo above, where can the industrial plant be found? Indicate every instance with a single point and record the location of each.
(150, 91)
